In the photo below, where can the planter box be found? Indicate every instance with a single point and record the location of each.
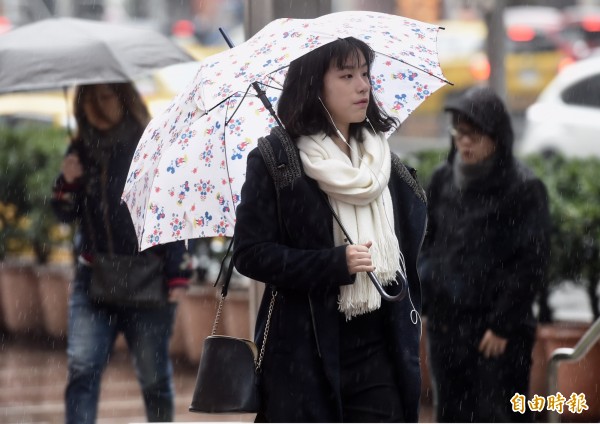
(54, 284)
(574, 377)
(21, 308)
(236, 315)
(177, 342)
(198, 310)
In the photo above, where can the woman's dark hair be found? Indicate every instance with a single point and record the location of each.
(299, 107)
(128, 96)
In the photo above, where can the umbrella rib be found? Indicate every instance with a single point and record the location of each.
(227, 159)
(270, 76)
(238, 106)
(273, 87)
(225, 100)
(416, 67)
(248, 89)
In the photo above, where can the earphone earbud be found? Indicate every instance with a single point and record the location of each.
(333, 123)
(373, 128)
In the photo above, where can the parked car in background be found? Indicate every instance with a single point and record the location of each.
(581, 30)
(566, 117)
(164, 84)
(533, 58)
(47, 107)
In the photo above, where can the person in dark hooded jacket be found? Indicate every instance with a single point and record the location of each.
(482, 263)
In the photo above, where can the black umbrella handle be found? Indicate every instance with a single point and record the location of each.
(382, 292)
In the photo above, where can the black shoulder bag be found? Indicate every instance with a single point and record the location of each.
(229, 368)
(124, 280)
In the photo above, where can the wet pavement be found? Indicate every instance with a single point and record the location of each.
(32, 381)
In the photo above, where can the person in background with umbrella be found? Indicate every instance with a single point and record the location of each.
(483, 261)
(110, 120)
(335, 352)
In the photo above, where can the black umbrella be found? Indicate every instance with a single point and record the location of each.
(62, 52)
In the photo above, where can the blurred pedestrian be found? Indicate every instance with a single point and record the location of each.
(110, 121)
(482, 263)
(335, 351)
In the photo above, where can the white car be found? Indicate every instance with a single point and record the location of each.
(566, 117)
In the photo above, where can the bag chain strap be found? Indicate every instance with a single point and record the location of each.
(264, 343)
(218, 316)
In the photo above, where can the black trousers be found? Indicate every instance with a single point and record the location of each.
(369, 384)
(470, 388)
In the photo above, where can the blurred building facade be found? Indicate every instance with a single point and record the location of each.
(202, 16)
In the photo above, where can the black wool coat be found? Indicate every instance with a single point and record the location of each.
(487, 246)
(486, 250)
(300, 378)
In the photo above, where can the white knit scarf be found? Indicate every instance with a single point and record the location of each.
(357, 187)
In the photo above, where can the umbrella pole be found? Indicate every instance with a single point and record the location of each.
(69, 131)
(260, 92)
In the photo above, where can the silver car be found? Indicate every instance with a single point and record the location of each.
(566, 117)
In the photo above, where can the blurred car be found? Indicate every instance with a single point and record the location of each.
(532, 59)
(164, 84)
(566, 117)
(48, 107)
(581, 30)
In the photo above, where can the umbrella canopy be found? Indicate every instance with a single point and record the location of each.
(186, 175)
(63, 52)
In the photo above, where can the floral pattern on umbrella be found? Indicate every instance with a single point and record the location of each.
(186, 176)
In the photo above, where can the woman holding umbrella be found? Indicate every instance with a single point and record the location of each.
(110, 120)
(335, 351)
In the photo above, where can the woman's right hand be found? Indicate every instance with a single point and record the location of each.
(358, 258)
(71, 168)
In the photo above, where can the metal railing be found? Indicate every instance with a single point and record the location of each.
(570, 354)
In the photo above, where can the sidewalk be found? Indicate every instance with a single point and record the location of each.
(32, 380)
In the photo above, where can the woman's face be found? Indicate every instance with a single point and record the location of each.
(473, 145)
(102, 107)
(346, 91)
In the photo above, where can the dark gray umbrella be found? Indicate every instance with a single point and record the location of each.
(63, 52)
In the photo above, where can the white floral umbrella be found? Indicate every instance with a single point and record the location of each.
(186, 175)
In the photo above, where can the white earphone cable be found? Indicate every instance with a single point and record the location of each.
(415, 317)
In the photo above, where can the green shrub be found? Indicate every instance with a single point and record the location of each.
(30, 160)
(574, 199)
(425, 163)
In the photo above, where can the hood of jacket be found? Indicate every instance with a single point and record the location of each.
(486, 110)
